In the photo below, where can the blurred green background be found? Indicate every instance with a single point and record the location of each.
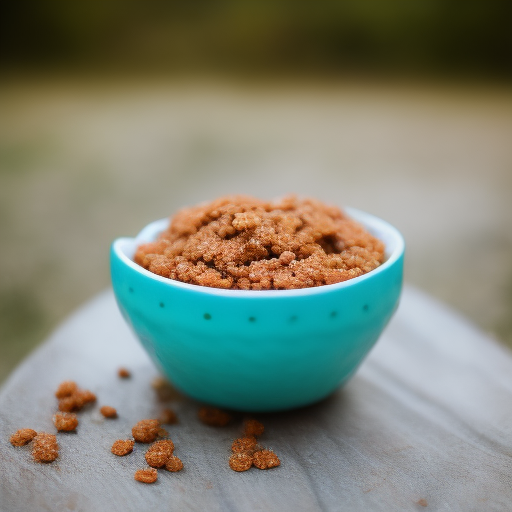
(113, 114)
(280, 37)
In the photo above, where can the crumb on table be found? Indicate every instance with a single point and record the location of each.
(123, 373)
(22, 437)
(174, 464)
(146, 431)
(45, 447)
(122, 447)
(108, 412)
(72, 398)
(214, 417)
(147, 476)
(66, 388)
(240, 461)
(65, 421)
(253, 427)
(266, 459)
(244, 444)
(159, 452)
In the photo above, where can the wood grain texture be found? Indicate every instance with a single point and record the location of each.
(426, 424)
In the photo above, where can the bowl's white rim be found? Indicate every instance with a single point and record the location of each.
(125, 247)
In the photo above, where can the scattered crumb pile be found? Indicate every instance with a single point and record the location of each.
(65, 421)
(45, 447)
(72, 398)
(159, 455)
(246, 451)
(243, 243)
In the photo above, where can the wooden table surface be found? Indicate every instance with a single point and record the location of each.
(426, 424)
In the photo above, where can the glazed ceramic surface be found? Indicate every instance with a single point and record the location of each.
(258, 350)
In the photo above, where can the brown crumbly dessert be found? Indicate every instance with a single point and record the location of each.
(147, 476)
(45, 447)
(214, 417)
(84, 397)
(76, 399)
(253, 428)
(159, 453)
(108, 412)
(122, 447)
(243, 243)
(146, 431)
(173, 464)
(240, 461)
(66, 388)
(22, 437)
(68, 404)
(123, 373)
(169, 417)
(65, 421)
(244, 445)
(266, 459)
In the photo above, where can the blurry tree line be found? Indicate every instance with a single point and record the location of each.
(278, 37)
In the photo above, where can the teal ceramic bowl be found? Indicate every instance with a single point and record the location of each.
(258, 350)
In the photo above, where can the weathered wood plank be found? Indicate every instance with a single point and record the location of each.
(427, 417)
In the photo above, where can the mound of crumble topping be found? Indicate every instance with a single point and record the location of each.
(243, 243)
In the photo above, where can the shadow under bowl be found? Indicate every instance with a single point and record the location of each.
(258, 351)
